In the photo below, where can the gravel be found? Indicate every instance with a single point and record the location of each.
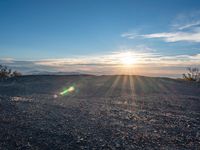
(146, 113)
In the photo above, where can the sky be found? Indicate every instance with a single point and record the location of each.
(95, 36)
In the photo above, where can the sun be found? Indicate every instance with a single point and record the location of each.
(127, 59)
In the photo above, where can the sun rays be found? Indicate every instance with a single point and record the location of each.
(127, 58)
(123, 88)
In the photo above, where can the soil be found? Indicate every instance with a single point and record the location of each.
(103, 112)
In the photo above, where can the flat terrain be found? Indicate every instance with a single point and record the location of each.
(103, 112)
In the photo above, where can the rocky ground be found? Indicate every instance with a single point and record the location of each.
(105, 112)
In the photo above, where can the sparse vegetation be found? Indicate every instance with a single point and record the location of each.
(6, 73)
(16, 74)
(193, 74)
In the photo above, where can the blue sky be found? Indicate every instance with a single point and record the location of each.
(62, 30)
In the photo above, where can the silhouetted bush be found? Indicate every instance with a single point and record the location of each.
(16, 74)
(6, 73)
(192, 75)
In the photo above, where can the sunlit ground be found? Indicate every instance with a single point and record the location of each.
(100, 112)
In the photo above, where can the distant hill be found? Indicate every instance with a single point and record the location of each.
(52, 73)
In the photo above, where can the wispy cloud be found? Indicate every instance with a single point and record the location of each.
(176, 36)
(185, 28)
(188, 25)
(130, 35)
(186, 21)
(146, 63)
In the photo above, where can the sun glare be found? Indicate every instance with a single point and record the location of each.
(127, 58)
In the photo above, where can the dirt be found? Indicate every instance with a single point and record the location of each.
(103, 112)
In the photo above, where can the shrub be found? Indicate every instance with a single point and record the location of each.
(6, 73)
(192, 75)
(16, 74)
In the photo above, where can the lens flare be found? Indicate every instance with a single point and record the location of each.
(69, 90)
(55, 95)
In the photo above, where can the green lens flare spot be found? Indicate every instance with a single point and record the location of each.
(68, 90)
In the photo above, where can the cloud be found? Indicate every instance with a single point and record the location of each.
(146, 63)
(129, 35)
(189, 25)
(186, 21)
(176, 36)
(186, 27)
(6, 60)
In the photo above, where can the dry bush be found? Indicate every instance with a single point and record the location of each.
(192, 75)
(16, 74)
(6, 73)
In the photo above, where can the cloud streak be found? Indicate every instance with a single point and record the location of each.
(175, 36)
(186, 28)
(189, 25)
(147, 63)
(187, 21)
